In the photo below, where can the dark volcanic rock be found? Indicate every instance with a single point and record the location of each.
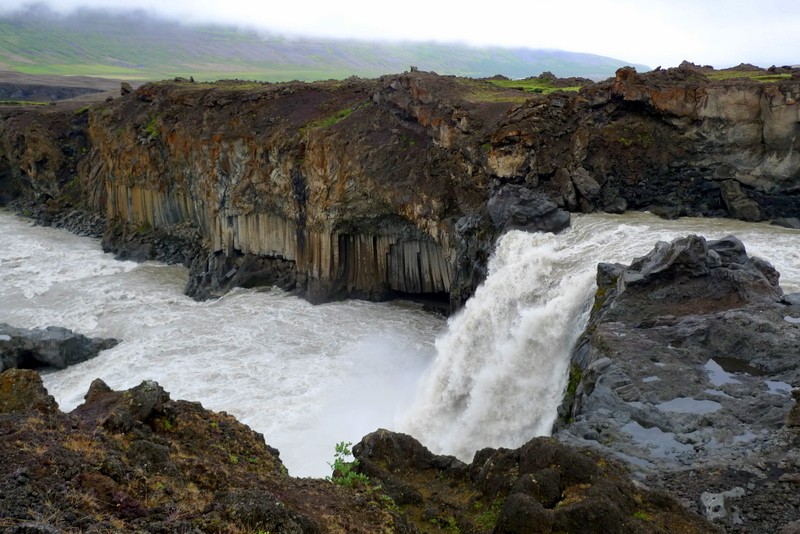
(136, 461)
(518, 208)
(54, 346)
(544, 486)
(686, 367)
(688, 275)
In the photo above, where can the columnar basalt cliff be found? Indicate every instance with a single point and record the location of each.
(379, 188)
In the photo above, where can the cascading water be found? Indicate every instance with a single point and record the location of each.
(501, 366)
(310, 376)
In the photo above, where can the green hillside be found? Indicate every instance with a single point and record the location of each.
(134, 45)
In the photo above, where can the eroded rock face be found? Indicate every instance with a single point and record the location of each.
(687, 367)
(52, 347)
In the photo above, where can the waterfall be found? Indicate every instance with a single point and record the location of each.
(501, 366)
(309, 376)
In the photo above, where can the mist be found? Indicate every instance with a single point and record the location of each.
(659, 33)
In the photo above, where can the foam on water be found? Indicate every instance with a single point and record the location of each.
(305, 376)
(309, 376)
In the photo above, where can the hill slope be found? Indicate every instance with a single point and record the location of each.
(134, 45)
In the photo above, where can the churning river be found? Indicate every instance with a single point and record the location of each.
(308, 376)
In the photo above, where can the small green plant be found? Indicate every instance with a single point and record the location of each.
(488, 518)
(644, 516)
(152, 128)
(575, 376)
(343, 468)
(167, 424)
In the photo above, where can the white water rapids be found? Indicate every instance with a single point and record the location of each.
(309, 376)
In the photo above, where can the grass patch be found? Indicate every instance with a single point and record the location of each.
(758, 76)
(488, 518)
(327, 122)
(533, 85)
(95, 69)
(478, 91)
(152, 128)
(22, 103)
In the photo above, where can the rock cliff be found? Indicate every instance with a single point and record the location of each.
(379, 188)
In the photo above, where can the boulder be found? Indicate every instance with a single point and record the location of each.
(54, 347)
(689, 275)
(586, 186)
(739, 205)
(515, 207)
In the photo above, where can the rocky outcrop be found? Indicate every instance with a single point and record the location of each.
(138, 461)
(687, 367)
(543, 486)
(397, 186)
(54, 347)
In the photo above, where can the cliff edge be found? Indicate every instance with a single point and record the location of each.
(396, 186)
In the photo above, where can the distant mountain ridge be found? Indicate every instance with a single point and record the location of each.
(135, 45)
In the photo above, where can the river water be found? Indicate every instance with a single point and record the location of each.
(308, 376)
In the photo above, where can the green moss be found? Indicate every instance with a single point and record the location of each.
(533, 85)
(329, 121)
(643, 516)
(575, 375)
(22, 103)
(756, 75)
(151, 129)
(488, 519)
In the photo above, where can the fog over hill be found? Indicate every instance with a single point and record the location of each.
(138, 45)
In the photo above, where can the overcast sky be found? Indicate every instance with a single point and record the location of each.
(653, 32)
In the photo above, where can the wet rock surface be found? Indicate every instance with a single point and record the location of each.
(686, 370)
(53, 346)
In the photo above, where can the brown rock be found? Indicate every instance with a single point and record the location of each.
(21, 390)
